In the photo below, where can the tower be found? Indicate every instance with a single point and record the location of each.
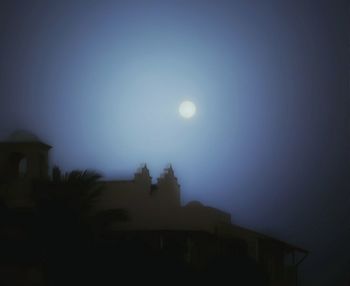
(142, 179)
(23, 156)
(168, 189)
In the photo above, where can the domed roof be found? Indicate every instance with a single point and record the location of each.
(194, 204)
(23, 136)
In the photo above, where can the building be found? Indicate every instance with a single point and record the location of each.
(193, 232)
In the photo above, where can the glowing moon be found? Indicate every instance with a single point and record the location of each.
(187, 109)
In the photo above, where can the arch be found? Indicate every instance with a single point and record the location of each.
(17, 165)
(22, 167)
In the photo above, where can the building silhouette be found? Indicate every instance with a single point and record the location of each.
(204, 237)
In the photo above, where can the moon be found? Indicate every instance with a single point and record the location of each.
(187, 109)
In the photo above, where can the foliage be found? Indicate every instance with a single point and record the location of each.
(65, 205)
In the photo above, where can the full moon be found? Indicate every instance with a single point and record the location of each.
(187, 109)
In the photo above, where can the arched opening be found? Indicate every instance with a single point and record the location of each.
(22, 167)
(17, 166)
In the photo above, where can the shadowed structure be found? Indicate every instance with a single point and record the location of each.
(194, 239)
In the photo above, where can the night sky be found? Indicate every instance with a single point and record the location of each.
(102, 81)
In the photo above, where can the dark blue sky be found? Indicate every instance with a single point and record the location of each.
(102, 81)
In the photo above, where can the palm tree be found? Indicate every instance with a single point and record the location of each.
(66, 204)
(67, 222)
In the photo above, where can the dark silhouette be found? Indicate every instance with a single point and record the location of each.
(66, 221)
(75, 229)
(61, 224)
(65, 205)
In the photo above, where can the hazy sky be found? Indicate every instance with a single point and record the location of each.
(101, 81)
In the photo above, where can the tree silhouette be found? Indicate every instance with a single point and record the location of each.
(67, 223)
(65, 205)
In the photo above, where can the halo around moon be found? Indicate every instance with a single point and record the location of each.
(187, 109)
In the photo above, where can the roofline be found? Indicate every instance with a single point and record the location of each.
(12, 143)
(262, 235)
(210, 234)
